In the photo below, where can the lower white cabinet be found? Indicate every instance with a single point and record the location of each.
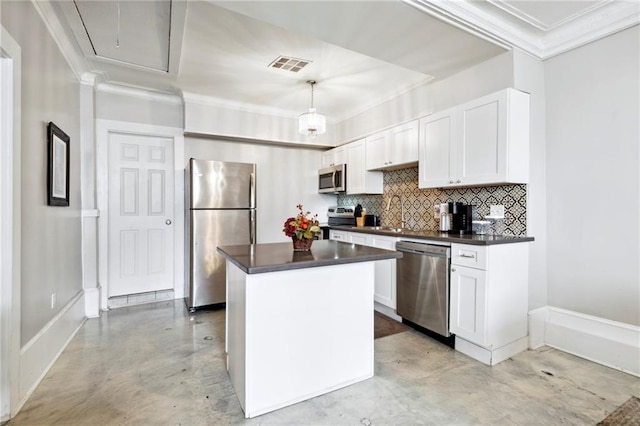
(385, 278)
(343, 236)
(489, 300)
(385, 270)
(468, 304)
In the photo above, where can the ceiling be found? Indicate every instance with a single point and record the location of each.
(360, 52)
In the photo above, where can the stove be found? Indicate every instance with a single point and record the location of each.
(341, 216)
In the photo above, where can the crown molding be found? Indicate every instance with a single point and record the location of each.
(494, 23)
(140, 93)
(534, 22)
(597, 24)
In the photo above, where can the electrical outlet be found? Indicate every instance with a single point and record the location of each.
(436, 211)
(53, 300)
(496, 211)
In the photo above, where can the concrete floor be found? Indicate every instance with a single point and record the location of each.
(156, 364)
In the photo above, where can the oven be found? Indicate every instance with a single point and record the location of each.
(341, 216)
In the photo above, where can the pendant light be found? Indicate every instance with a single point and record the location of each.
(312, 123)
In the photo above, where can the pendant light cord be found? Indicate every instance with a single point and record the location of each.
(311, 82)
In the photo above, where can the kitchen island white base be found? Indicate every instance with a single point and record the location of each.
(296, 334)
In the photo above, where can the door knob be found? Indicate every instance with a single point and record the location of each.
(168, 221)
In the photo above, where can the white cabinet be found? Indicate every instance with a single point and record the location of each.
(436, 166)
(345, 237)
(393, 148)
(482, 142)
(385, 270)
(333, 157)
(469, 304)
(489, 300)
(359, 239)
(359, 179)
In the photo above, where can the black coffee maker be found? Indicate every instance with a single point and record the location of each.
(461, 217)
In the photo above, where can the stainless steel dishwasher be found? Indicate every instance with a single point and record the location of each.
(423, 286)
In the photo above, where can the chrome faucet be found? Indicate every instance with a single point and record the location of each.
(401, 208)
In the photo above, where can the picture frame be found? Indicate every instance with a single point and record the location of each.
(57, 166)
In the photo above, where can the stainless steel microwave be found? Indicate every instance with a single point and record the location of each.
(332, 179)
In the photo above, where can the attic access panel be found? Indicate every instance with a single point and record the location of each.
(133, 32)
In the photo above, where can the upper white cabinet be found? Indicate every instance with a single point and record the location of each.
(359, 179)
(393, 148)
(482, 142)
(333, 157)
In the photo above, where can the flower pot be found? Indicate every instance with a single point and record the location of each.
(303, 244)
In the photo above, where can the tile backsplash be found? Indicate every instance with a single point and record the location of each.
(418, 203)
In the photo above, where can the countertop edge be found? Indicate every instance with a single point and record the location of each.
(387, 254)
(442, 237)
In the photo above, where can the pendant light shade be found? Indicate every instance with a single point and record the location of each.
(312, 123)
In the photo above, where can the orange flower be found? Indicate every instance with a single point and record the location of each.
(301, 226)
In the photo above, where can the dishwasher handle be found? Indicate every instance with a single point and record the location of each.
(423, 249)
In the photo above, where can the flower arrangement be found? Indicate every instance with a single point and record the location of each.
(302, 226)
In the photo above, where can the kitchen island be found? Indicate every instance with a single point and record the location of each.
(298, 324)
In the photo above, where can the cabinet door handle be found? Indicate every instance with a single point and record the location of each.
(458, 181)
(468, 256)
(450, 181)
(453, 269)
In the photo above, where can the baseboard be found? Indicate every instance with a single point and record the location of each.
(610, 343)
(491, 356)
(92, 302)
(41, 352)
(537, 321)
(385, 310)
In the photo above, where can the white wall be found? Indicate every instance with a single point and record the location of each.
(138, 106)
(593, 182)
(482, 79)
(285, 177)
(205, 116)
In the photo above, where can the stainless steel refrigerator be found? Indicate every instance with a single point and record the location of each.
(220, 210)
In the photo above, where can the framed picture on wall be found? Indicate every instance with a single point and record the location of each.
(58, 167)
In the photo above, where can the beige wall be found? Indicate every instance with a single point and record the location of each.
(593, 179)
(50, 236)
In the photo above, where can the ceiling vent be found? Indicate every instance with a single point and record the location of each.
(289, 64)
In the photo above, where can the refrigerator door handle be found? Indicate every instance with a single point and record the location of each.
(252, 191)
(252, 227)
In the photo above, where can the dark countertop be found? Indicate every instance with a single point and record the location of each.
(481, 240)
(261, 258)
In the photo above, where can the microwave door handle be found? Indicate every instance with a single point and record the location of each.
(335, 184)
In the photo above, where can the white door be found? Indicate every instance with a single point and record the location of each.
(141, 200)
